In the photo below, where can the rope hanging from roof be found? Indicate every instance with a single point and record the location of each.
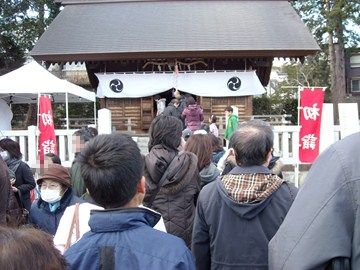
(174, 65)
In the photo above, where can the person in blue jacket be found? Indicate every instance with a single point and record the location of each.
(55, 195)
(122, 236)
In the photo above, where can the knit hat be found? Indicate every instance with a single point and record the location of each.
(57, 173)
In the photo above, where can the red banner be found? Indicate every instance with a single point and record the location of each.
(47, 139)
(311, 102)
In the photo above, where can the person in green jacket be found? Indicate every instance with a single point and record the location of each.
(80, 138)
(232, 123)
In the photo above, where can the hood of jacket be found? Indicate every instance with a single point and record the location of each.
(209, 174)
(122, 219)
(247, 210)
(181, 168)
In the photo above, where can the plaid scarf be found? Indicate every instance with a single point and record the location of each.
(251, 188)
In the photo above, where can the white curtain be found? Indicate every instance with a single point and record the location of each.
(207, 84)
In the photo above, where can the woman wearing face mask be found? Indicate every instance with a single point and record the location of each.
(22, 179)
(55, 195)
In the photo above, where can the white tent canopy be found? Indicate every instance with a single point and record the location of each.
(24, 84)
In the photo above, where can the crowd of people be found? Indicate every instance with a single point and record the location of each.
(187, 204)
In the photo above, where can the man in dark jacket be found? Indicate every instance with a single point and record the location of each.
(122, 236)
(172, 109)
(238, 214)
(182, 100)
(80, 138)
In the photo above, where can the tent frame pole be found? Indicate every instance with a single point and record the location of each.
(67, 110)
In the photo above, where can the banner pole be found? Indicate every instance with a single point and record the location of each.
(37, 128)
(297, 164)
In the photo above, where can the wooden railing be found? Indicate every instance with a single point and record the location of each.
(27, 140)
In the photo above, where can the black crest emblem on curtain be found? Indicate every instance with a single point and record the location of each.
(116, 85)
(234, 83)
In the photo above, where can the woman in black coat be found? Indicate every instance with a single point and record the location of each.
(22, 179)
(175, 196)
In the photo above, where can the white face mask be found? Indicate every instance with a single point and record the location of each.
(51, 195)
(5, 155)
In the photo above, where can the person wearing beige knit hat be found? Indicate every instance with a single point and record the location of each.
(55, 195)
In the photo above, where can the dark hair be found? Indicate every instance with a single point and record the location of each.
(86, 133)
(216, 143)
(213, 118)
(54, 158)
(190, 101)
(229, 109)
(93, 131)
(174, 101)
(112, 167)
(12, 147)
(30, 249)
(252, 142)
(200, 145)
(205, 127)
(165, 131)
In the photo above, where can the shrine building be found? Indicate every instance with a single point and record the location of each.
(221, 52)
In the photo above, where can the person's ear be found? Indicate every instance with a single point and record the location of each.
(141, 185)
(268, 158)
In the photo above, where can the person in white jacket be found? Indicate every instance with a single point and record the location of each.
(61, 239)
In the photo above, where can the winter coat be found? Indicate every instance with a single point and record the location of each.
(324, 221)
(124, 239)
(193, 115)
(4, 191)
(176, 199)
(209, 174)
(231, 127)
(78, 184)
(232, 235)
(171, 110)
(44, 219)
(182, 103)
(24, 183)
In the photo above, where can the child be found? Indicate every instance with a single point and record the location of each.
(213, 128)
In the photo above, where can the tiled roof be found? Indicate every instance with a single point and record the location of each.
(117, 29)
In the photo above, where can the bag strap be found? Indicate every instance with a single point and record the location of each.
(74, 223)
(159, 184)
